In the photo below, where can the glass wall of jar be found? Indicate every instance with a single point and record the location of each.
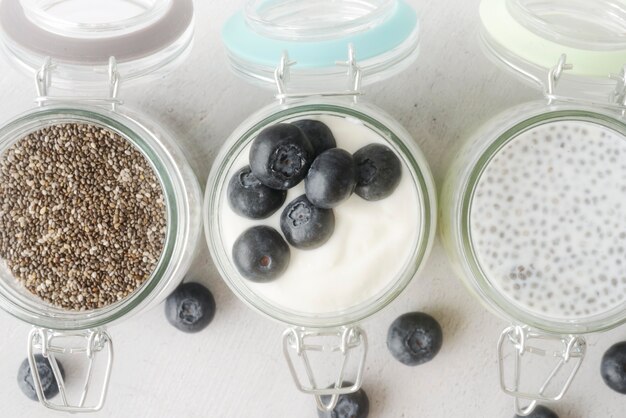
(80, 57)
(374, 248)
(530, 207)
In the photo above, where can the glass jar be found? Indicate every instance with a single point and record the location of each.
(55, 50)
(525, 203)
(260, 44)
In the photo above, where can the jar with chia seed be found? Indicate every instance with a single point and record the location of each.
(344, 255)
(99, 208)
(532, 208)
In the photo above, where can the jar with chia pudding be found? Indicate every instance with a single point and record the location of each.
(99, 209)
(532, 208)
(320, 208)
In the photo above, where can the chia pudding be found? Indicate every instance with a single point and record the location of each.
(82, 215)
(369, 246)
(547, 220)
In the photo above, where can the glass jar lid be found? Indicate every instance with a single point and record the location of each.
(318, 34)
(144, 36)
(529, 36)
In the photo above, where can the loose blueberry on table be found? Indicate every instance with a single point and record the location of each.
(613, 367)
(414, 338)
(46, 375)
(261, 254)
(305, 225)
(378, 172)
(280, 156)
(541, 411)
(190, 308)
(250, 198)
(352, 405)
(318, 133)
(331, 178)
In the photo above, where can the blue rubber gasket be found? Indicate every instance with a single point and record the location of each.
(247, 45)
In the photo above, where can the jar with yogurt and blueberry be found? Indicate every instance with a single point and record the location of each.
(532, 208)
(320, 208)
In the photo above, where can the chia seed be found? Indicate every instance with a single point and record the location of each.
(82, 215)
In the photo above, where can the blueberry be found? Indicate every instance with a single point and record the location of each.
(280, 156)
(331, 179)
(352, 405)
(261, 254)
(48, 382)
(250, 198)
(190, 307)
(540, 412)
(414, 338)
(320, 135)
(306, 226)
(378, 172)
(613, 367)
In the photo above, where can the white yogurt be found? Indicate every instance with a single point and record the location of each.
(369, 248)
(548, 220)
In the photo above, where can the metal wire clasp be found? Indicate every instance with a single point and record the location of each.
(619, 94)
(617, 99)
(354, 73)
(351, 339)
(43, 80)
(524, 342)
(50, 343)
(554, 75)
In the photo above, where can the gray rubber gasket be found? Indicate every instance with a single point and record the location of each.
(128, 47)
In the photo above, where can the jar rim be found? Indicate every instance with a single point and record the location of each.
(598, 25)
(472, 269)
(39, 13)
(28, 307)
(282, 18)
(413, 158)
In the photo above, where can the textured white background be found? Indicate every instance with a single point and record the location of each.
(235, 367)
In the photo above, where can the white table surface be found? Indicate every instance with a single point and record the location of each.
(235, 368)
